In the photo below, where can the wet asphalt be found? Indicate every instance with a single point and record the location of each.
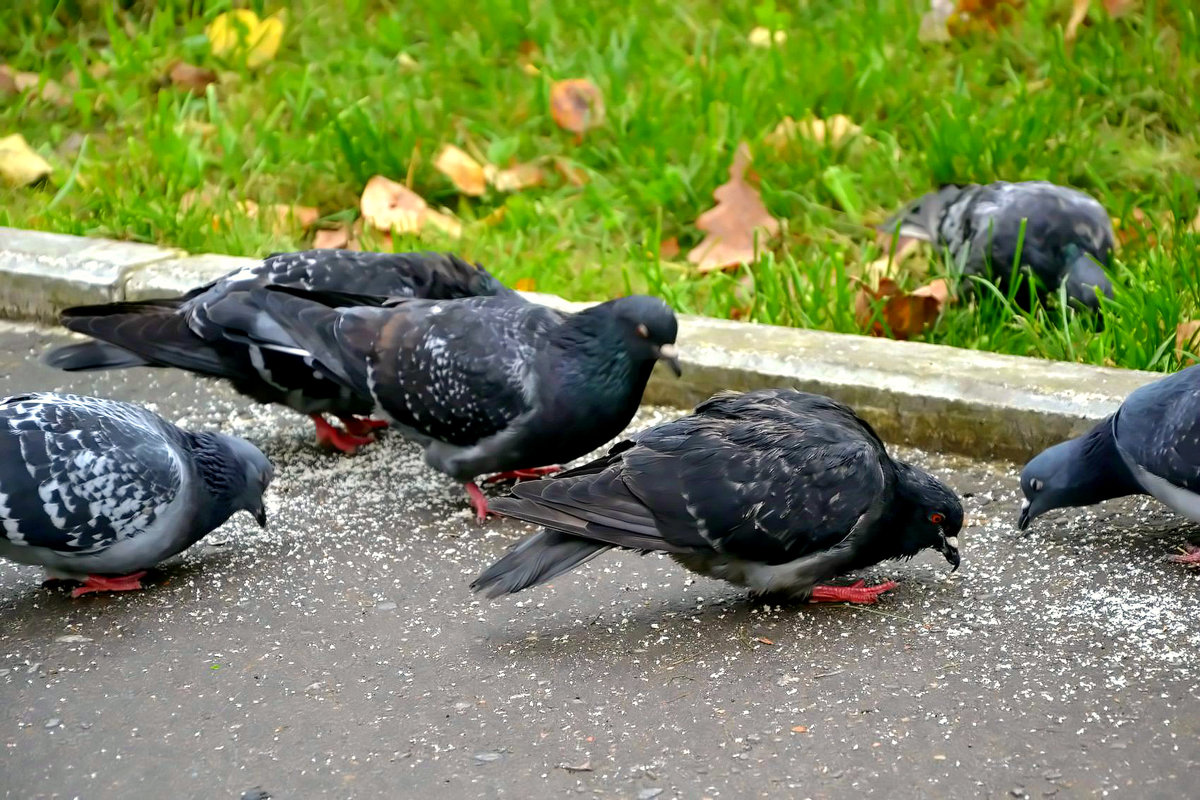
(341, 654)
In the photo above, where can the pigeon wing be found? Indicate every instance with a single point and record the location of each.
(78, 474)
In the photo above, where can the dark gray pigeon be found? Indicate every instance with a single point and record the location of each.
(775, 490)
(1068, 234)
(1151, 445)
(99, 491)
(484, 384)
(180, 331)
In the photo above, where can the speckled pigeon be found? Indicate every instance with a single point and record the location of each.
(99, 491)
(1068, 234)
(1151, 445)
(775, 490)
(180, 332)
(484, 384)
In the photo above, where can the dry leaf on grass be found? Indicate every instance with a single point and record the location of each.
(15, 82)
(464, 172)
(889, 262)
(98, 70)
(1079, 10)
(390, 206)
(242, 35)
(331, 238)
(763, 37)
(834, 131)
(514, 178)
(571, 173)
(668, 248)
(525, 285)
(903, 315)
(735, 222)
(1187, 339)
(283, 217)
(528, 54)
(19, 164)
(576, 105)
(190, 77)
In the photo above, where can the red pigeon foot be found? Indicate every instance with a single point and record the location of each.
(360, 426)
(329, 436)
(103, 583)
(855, 593)
(1190, 555)
(478, 500)
(523, 474)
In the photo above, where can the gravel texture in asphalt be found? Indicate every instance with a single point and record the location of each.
(339, 653)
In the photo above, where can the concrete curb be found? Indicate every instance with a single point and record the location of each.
(942, 398)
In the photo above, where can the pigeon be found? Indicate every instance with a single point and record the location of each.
(483, 384)
(1150, 445)
(1068, 235)
(180, 332)
(99, 491)
(775, 490)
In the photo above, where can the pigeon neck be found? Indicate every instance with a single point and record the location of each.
(1095, 469)
(222, 475)
(592, 370)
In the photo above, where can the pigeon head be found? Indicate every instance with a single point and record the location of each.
(1077, 472)
(235, 472)
(934, 514)
(648, 327)
(1086, 279)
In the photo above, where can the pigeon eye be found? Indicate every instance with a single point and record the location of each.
(643, 331)
(936, 518)
(1035, 485)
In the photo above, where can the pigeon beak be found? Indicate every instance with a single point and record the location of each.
(950, 551)
(669, 354)
(260, 515)
(1026, 517)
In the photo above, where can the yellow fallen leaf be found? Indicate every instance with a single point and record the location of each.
(19, 164)
(389, 206)
(904, 315)
(463, 171)
(763, 37)
(525, 285)
(833, 131)
(799, 729)
(21, 82)
(241, 34)
(283, 217)
(515, 178)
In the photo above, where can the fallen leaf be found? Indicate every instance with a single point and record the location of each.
(48, 90)
(389, 206)
(1079, 9)
(464, 172)
(525, 285)
(735, 222)
(1136, 227)
(283, 217)
(99, 70)
(571, 173)
(799, 729)
(935, 22)
(763, 640)
(514, 178)
(904, 315)
(331, 238)
(528, 53)
(19, 164)
(242, 35)
(576, 105)
(584, 767)
(668, 248)
(407, 61)
(1187, 340)
(190, 77)
(972, 16)
(834, 131)
(763, 37)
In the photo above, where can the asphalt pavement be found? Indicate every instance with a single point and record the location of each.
(340, 653)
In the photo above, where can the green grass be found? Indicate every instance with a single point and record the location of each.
(1116, 114)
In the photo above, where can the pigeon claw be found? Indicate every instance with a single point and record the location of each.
(105, 583)
(478, 500)
(522, 474)
(857, 592)
(1190, 555)
(329, 436)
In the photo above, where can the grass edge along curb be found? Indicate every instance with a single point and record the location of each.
(943, 398)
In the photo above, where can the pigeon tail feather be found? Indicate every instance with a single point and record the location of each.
(540, 558)
(85, 356)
